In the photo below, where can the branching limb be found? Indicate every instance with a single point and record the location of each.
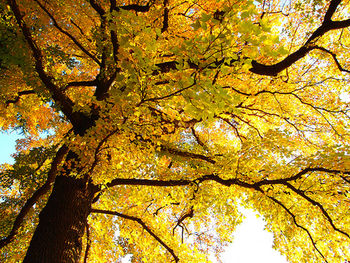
(107, 74)
(189, 214)
(144, 226)
(216, 178)
(334, 56)
(299, 175)
(35, 197)
(65, 103)
(327, 25)
(229, 182)
(65, 32)
(181, 182)
(114, 37)
(273, 70)
(19, 95)
(298, 225)
(315, 203)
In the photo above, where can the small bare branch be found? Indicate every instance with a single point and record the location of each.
(334, 58)
(144, 226)
(189, 214)
(298, 225)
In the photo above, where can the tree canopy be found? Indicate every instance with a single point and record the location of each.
(147, 125)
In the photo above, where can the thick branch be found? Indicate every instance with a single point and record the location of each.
(326, 26)
(144, 226)
(136, 8)
(35, 197)
(88, 83)
(229, 182)
(165, 16)
(273, 70)
(95, 5)
(181, 182)
(331, 10)
(107, 74)
(299, 175)
(19, 94)
(216, 178)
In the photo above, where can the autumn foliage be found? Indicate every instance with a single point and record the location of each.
(148, 124)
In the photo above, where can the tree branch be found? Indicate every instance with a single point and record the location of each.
(88, 83)
(298, 225)
(66, 104)
(19, 94)
(326, 26)
(95, 5)
(273, 70)
(189, 214)
(216, 178)
(299, 175)
(136, 8)
(188, 154)
(238, 182)
(65, 32)
(172, 94)
(37, 194)
(88, 243)
(181, 182)
(334, 56)
(144, 226)
(331, 10)
(315, 203)
(165, 16)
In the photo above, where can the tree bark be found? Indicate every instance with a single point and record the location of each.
(58, 236)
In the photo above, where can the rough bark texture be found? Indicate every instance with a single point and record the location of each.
(58, 236)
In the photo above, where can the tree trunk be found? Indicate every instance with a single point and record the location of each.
(58, 236)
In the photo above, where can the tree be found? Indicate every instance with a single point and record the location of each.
(148, 123)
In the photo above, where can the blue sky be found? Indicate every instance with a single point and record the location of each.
(7, 146)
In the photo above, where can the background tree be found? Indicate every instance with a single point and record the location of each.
(153, 121)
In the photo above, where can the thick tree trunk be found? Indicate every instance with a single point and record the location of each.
(58, 236)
